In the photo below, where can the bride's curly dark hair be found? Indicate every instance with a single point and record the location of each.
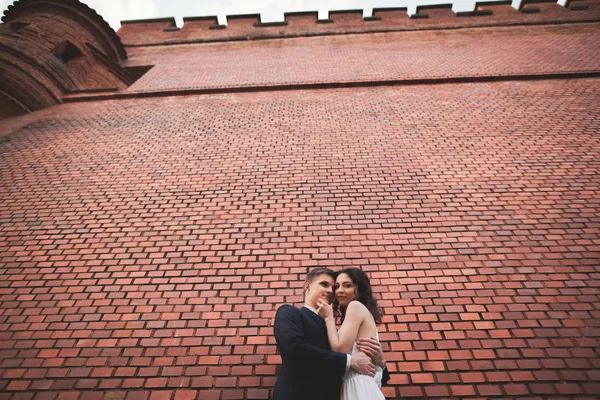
(363, 293)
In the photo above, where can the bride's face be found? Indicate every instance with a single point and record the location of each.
(346, 290)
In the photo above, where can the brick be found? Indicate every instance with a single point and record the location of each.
(232, 394)
(489, 390)
(255, 393)
(160, 395)
(472, 377)
(498, 376)
(68, 396)
(436, 391)
(516, 389)
(209, 394)
(132, 383)
(42, 384)
(185, 394)
(155, 383)
(137, 395)
(17, 385)
(411, 391)
(421, 378)
(462, 390)
(542, 388)
(568, 389)
(202, 382)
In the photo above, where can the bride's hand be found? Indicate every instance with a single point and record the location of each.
(324, 309)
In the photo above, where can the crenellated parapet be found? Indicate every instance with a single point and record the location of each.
(249, 26)
(49, 48)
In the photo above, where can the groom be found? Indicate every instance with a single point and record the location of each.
(310, 370)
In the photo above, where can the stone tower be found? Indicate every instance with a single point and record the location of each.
(51, 48)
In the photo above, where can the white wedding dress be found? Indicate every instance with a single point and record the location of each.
(362, 387)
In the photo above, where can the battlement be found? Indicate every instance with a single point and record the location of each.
(249, 26)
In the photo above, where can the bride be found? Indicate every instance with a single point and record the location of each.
(359, 315)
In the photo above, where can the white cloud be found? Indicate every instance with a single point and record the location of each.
(115, 11)
(273, 10)
(4, 4)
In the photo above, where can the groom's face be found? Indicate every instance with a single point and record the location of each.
(320, 288)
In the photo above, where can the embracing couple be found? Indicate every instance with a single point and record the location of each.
(320, 362)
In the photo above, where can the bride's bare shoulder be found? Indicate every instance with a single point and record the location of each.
(356, 307)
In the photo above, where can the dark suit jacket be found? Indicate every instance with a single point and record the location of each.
(310, 370)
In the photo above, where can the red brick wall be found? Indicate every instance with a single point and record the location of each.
(497, 51)
(147, 243)
(147, 32)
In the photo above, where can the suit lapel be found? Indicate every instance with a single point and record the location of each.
(315, 318)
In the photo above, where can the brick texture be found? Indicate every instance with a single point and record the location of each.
(497, 51)
(248, 27)
(146, 243)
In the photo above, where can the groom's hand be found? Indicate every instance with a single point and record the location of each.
(372, 348)
(362, 364)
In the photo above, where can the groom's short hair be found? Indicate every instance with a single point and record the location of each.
(313, 273)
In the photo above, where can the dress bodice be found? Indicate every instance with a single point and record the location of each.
(352, 374)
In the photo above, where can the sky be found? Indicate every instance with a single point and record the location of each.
(114, 11)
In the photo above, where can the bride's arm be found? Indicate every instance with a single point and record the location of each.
(343, 340)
